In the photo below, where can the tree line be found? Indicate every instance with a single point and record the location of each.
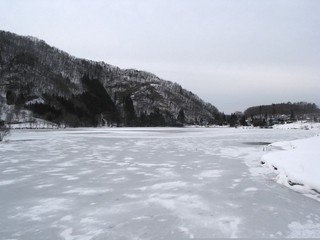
(283, 108)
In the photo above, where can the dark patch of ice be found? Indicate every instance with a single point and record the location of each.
(294, 183)
(257, 143)
(26, 140)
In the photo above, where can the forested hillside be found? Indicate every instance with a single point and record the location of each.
(37, 80)
(293, 109)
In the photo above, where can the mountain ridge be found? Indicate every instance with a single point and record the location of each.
(52, 84)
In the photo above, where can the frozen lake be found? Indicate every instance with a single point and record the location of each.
(147, 183)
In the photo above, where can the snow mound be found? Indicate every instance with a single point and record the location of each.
(297, 165)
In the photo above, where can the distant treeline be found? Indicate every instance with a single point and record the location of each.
(289, 108)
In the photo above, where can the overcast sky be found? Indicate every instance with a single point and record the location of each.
(231, 53)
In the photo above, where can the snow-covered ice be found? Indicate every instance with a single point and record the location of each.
(147, 183)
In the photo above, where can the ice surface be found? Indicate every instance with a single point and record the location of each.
(147, 183)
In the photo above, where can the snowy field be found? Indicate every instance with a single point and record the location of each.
(148, 183)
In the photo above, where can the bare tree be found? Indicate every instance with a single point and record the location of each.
(4, 131)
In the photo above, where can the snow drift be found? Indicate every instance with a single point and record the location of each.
(297, 165)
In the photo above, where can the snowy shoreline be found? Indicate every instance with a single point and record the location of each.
(296, 164)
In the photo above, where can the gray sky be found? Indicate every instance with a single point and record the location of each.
(231, 53)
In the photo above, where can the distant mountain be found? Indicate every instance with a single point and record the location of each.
(293, 109)
(37, 80)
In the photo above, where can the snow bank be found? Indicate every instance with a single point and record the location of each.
(297, 165)
(298, 125)
(34, 124)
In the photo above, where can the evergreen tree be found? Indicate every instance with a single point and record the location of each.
(130, 115)
(233, 120)
(181, 117)
(243, 121)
